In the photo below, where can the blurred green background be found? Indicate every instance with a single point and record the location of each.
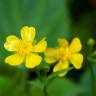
(53, 19)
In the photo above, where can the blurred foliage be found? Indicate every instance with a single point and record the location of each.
(53, 19)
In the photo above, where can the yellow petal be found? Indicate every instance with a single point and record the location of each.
(76, 45)
(14, 60)
(77, 60)
(51, 55)
(50, 60)
(60, 66)
(41, 46)
(51, 52)
(28, 33)
(11, 43)
(33, 60)
(62, 42)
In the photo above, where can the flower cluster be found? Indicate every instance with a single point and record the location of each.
(26, 50)
(65, 54)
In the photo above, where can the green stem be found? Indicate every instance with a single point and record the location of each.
(92, 79)
(45, 85)
(90, 60)
(45, 90)
(25, 86)
(44, 81)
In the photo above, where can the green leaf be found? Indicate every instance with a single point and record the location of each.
(64, 87)
(37, 83)
(55, 74)
(86, 81)
(36, 88)
(8, 87)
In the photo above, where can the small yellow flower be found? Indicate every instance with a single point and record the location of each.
(65, 54)
(25, 50)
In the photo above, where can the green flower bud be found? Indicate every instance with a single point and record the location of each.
(91, 42)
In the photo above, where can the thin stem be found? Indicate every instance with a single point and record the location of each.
(92, 79)
(45, 91)
(44, 81)
(90, 60)
(25, 86)
(45, 85)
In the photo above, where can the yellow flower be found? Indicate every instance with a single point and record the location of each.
(25, 50)
(65, 54)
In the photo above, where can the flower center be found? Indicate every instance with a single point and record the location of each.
(64, 53)
(24, 47)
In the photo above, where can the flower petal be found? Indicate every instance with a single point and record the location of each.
(77, 60)
(51, 55)
(28, 33)
(50, 60)
(76, 45)
(11, 43)
(51, 52)
(15, 59)
(33, 60)
(60, 66)
(41, 46)
(62, 42)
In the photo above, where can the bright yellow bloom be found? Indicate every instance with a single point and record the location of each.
(65, 54)
(25, 49)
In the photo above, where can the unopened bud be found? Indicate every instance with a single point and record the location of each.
(91, 42)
